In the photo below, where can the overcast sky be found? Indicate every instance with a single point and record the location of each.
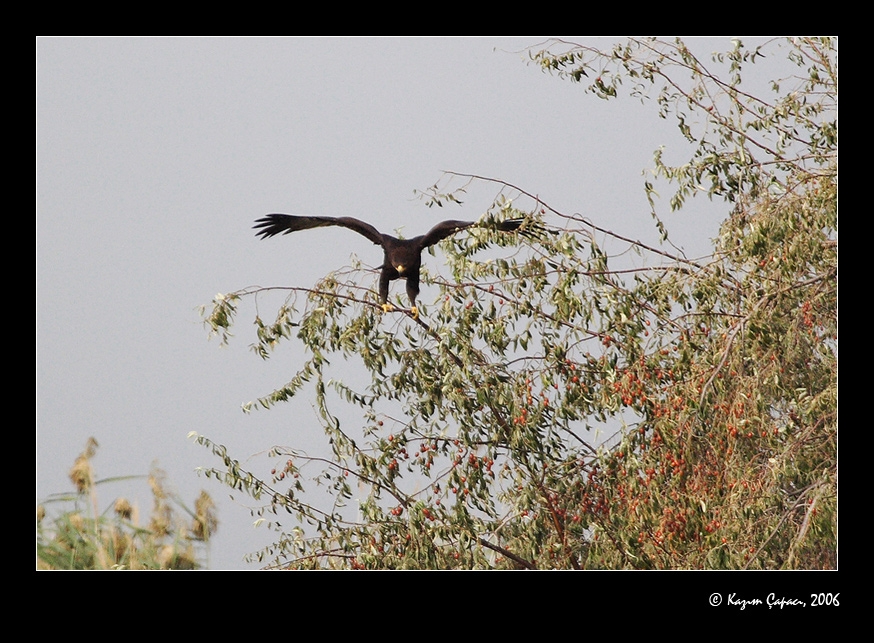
(154, 157)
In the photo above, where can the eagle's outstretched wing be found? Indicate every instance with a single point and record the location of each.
(446, 228)
(442, 230)
(274, 224)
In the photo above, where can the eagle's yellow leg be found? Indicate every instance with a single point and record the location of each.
(387, 307)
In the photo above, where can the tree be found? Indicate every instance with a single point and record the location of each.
(476, 448)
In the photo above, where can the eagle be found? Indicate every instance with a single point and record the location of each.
(403, 257)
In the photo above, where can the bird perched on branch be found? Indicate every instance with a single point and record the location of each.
(403, 257)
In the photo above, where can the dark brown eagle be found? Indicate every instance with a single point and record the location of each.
(403, 257)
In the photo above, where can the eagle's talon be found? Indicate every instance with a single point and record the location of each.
(415, 312)
(387, 308)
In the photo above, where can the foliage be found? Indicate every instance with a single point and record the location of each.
(81, 537)
(480, 436)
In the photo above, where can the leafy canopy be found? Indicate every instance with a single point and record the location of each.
(478, 437)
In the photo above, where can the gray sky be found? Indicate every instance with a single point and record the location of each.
(154, 157)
